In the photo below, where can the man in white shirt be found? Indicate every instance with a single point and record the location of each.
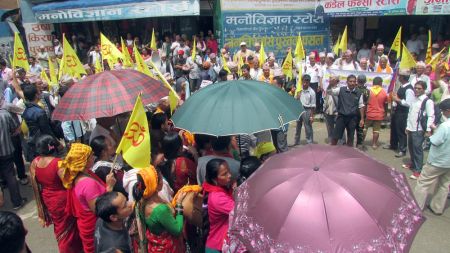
(416, 130)
(35, 68)
(347, 62)
(414, 45)
(307, 97)
(314, 71)
(58, 49)
(364, 52)
(364, 65)
(421, 76)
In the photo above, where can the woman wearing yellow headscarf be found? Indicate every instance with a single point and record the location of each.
(84, 187)
(163, 224)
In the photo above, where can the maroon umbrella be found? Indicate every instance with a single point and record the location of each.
(325, 199)
(108, 94)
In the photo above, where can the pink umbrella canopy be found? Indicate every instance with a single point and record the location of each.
(325, 199)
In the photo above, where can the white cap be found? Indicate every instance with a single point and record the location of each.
(243, 44)
(322, 54)
(330, 55)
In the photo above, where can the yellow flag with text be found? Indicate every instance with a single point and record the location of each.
(71, 65)
(435, 60)
(153, 41)
(44, 77)
(140, 64)
(407, 60)
(343, 42)
(173, 96)
(287, 66)
(135, 142)
(429, 53)
(299, 49)
(109, 52)
(262, 56)
(336, 46)
(20, 55)
(397, 44)
(127, 61)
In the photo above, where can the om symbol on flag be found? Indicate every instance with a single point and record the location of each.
(135, 134)
(20, 54)
(70, 61)
(106, 50)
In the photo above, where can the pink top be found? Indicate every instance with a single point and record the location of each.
(220, 205)
(88, 189)
(375, 106)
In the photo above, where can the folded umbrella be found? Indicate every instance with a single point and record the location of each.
(325, 199)
(107, 94)
(237, 107)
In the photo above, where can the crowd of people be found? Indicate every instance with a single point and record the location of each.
(97, 205)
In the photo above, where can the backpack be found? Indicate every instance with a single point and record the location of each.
(423, 117)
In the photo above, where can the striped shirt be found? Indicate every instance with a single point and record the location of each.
(8, 127)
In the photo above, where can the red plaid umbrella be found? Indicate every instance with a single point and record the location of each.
(108, 94)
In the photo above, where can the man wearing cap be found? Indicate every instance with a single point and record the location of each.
(178, 63)
(215, 67)
(322, 59)
(347, 62)
(364, 65)
(375, 54)
(329, 63)
(420, 111)
(194, 62)
(437, 169)
(243, 53)
(314, 71)
(383, 65)
(182, 83)
(350, 108)
(42, 57)
(421, 76)
(402, 100)
(57, 49)
(165, 66)
(266, 76)
(257, 49)
(307, 97)
(330, 104)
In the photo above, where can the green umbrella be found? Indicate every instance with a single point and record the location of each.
(237, 107)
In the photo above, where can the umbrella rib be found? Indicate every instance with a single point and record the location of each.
(326, 215)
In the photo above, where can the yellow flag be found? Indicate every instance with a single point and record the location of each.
(397, 43)
(135, 142)
(52, 72)
(262, 56)
(71, 65)
(20, 56)
(407, 60)
(98, 67)
(299, 86)
(127, 61)
(194, 50)
(225, 66)
(140, 64)
(343, 42)
(44, 77)
(287, 66)
(153, 41)
(173, 96)
(435, 60)
(240, 63)
(109, 51)
(429, 54)
(336, 46)
(299, 49)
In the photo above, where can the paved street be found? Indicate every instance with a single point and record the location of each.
(433, 236)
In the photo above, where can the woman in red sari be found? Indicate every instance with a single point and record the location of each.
(84, 187)
(183, 158)
(51, 196)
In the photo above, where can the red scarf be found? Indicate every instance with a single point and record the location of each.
(214, 188)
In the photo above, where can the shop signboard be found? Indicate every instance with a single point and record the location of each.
(38, 35)
(277, 30)
(240, 5)
(121, 11)
(432, 7)
(356, 8)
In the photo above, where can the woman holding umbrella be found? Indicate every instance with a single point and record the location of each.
(218, 197)
(84, 188)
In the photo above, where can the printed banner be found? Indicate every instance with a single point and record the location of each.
(239, 5)
(355, 8)
(39, 35)
(121, 11)
(433, 7)
(278, 30)
(343, 74)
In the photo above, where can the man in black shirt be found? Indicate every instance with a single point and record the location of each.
(350, 109)
(110, 233)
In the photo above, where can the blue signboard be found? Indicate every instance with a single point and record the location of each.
(278, 30)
